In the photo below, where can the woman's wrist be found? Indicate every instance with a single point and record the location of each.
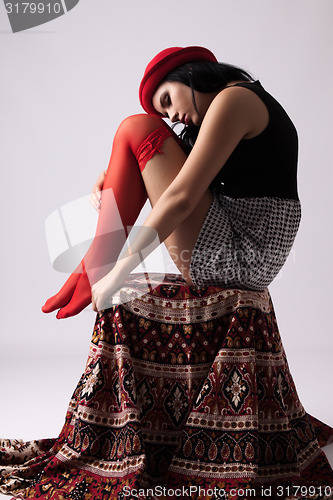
(125, 265)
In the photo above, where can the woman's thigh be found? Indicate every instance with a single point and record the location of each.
(157, 175)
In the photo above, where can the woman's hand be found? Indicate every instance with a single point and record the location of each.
(105, 288)
(102, 292)
(96, 195)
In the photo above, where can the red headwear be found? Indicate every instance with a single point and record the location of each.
(164, 62)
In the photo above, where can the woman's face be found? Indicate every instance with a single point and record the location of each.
(174, 101)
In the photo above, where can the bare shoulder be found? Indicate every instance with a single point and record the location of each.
(236, 93)
(243, 104)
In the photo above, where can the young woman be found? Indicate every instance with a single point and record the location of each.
(228, 209)
(189, 387)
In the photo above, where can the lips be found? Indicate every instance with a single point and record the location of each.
(188, 121)
(184, 120)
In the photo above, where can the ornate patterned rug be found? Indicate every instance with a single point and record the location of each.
(187, 393)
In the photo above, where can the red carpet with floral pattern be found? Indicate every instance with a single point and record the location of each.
(186, 392)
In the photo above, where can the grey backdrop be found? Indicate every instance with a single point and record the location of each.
(65, 87)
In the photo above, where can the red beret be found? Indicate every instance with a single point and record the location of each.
(163, 63)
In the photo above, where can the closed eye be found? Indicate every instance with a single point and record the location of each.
(165, 100)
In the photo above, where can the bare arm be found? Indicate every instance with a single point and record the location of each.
(232, 116)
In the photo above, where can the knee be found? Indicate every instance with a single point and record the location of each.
(135, 129)
(144, 122)
(142, 119)
(139, 126)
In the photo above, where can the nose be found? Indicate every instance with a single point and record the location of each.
(173, 116)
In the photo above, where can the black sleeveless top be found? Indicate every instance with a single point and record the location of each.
(254, 217)
(265, 165)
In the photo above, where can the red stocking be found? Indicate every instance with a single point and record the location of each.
(138, 138)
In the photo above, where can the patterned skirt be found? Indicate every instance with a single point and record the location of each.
(186, 393)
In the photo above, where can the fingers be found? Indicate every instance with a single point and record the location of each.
(96, 195)
(95, 200)
(95, 299)
(101, 298)
(93, 303)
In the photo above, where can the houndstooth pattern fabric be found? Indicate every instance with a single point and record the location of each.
(244, 242)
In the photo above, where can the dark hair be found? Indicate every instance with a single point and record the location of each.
(204, 76)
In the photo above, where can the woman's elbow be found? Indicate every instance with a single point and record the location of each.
(183, 201)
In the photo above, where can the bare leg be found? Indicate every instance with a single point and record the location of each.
(157, 175)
